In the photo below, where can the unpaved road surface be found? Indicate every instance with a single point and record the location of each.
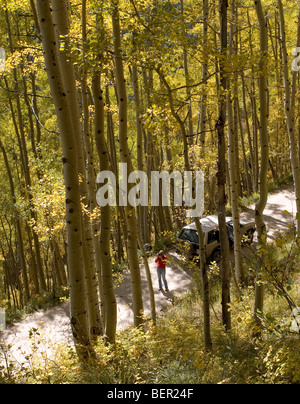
(52, 327)
(279, 214)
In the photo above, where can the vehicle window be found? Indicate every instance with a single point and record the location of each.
(194, 237)
(189, 235)
(213, 235)
(183, 235)
(230, 229)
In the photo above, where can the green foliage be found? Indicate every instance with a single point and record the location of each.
(282, 363)
(245, 202)
(43, 300)
(155, 37)
(165, 241)
(173, 352)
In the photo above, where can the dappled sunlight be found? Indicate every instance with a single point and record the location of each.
(179, 281)
(279, 214)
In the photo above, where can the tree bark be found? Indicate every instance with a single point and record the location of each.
(205, 288)
(110, 303)
(61, 24)
(290, 92)
(220, 125)
(18, 226)
(79, 316)
(203, 102)
(234, 159)
(25, 161)
(125, 157)
(142, 211)
(264, 144)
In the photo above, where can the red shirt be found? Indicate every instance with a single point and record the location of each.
(161, 262)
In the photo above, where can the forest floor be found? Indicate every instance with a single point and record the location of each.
(44, 330)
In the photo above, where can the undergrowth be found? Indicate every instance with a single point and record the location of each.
(173, 351)
(44, 300)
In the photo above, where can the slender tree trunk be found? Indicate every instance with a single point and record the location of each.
(61, 23)
(110, 303)
(290, 93)
(252, 91)
(148, 88)
(25, 161)
(234, 159)
(250, 161)
(149, 280)
(247, 175)
(33, 266)
(18, 226)
(205, 288)
(91, 226)
(264, 144)
(131, 220)
(187, 79)
(142, 211)
(113, 161)
(178, 119)
(79, 314)
(220, 125)
(203, 106)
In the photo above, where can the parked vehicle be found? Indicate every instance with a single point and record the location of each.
(188, 241)
(247, 229)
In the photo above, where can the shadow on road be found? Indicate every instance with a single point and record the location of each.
(179, 281)
(279, 214)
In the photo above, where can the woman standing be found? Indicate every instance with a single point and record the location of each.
(161, 261)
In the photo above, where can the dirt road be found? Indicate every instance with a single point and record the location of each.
(53, 326)
(279, 214)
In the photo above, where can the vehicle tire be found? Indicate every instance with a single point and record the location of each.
(196, 259)
(250, 235)
(215, 256)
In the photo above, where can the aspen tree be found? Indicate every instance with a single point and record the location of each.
(142, 211)
(149, 279)
(18, 226)
(203, 102)
(290, 92)
(252, 94)
(205, 288)
(187, 78)
(220, 125)
(109, 304)
(176, 115)
(61, 24)
(79, 316)
(131, 220)
(233, 158)
(264, 145)
(20, 132)
(88, 147)
(149, 145)
(250, 175)
(92, 226)
(113, 160)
